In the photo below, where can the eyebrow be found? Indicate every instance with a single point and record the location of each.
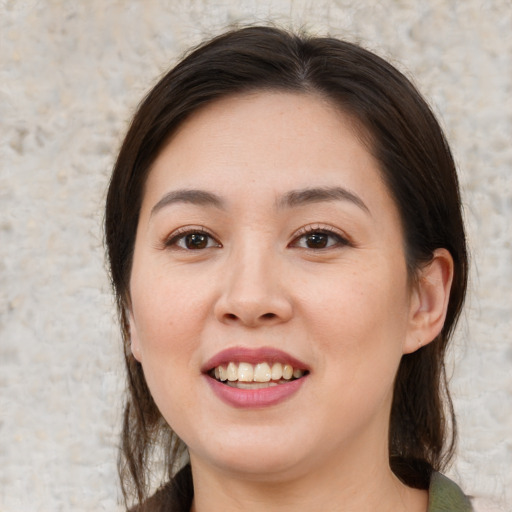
(289, 200)
(193, 196)
(318, 195)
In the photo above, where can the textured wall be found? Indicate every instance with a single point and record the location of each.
(70, 75)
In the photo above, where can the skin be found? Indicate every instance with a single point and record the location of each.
(349, 310)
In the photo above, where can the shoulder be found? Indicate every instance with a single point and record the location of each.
(446, 496)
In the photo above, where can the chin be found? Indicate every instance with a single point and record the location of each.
(255, 455)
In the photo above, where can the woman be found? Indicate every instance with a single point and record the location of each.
(288, 254)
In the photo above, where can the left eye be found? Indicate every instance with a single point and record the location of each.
(319, 240)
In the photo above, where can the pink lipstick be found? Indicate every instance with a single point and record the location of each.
(254, 378)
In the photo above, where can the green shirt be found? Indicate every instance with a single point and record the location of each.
(446, 496)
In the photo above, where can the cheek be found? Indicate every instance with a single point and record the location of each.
(168, 335)
(373, 299)
(168, 305)
(170, 308)
(359, 323)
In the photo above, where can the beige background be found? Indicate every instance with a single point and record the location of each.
(71, 73)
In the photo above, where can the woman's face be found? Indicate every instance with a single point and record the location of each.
(267, 244)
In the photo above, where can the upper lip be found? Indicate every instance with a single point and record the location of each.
(253, 356)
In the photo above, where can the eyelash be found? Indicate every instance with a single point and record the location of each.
(173, 241)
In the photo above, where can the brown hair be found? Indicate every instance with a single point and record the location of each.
(415, 160)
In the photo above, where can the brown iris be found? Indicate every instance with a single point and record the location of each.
(196, 241)
(317, 240)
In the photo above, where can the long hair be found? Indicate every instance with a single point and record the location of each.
(403, 135)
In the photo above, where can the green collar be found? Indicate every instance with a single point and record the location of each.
(446, 496)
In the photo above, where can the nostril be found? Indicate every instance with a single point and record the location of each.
(250, 320)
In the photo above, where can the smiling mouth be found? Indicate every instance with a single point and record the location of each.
(256, 376)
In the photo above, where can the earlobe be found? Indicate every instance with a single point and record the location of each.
(134, 338)
(430, 301)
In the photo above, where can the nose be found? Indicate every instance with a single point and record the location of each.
(253, 291)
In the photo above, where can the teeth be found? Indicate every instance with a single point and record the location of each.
(277, 371)
(232, 372)
(245, 372)
(297, 374)
(252, 385)
(223, 373)
(260, 373)
(287, 372)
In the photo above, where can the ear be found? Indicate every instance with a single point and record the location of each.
(134, 337)
(429, 301)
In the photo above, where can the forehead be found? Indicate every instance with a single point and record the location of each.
(271, 117)
(265, 135)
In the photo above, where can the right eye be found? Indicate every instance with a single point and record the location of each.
(192, 240)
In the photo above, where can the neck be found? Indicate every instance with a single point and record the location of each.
(366, 485)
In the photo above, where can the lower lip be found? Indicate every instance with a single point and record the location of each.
(255, 398)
